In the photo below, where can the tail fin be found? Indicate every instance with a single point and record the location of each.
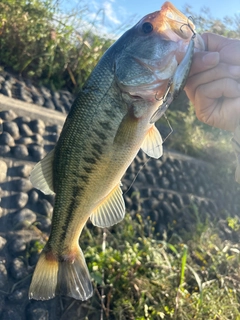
(69, 277)
(74, 279)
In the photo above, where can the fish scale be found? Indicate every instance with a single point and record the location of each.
(84, 163)
(109, 122)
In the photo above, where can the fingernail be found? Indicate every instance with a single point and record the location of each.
(211, 59)
(234, 70)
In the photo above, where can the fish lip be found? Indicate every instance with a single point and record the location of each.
(147, 95)
(133, 97)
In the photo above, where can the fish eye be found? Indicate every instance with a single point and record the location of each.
(147, 27)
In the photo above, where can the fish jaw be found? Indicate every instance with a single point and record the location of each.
(173, 24)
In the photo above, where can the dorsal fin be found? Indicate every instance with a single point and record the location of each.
(42, 176)
(111, 210)
(152, 143)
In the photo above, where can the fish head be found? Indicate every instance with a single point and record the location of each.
(149, 53)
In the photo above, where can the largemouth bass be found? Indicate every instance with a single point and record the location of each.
(108, 123)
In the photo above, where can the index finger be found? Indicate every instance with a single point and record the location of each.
(203, 61)
(214, 42)
(228, 48)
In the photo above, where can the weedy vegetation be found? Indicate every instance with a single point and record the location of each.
(139, 276)
(40, 41)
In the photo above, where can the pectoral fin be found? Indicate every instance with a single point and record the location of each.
(152, 144)
(41, 175)
(111, 210)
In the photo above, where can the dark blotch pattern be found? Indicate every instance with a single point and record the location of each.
(106, 126)
(89, 160)
(88, 170)
(84, 178)
(76, 191)
(96, 156)
(101, 135)
(110, 113)
(97, 147)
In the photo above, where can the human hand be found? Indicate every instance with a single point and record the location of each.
(214, 82)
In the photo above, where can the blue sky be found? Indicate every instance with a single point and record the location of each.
(218, 8)
(123, 12)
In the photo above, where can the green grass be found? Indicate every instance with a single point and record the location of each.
(40, 41)
(145, 278)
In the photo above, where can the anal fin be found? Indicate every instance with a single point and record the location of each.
(111, 210)
(41, 176)
(152, 144)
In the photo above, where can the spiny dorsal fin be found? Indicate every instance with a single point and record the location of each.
(111, 210)
(41, 175)
(152, 144)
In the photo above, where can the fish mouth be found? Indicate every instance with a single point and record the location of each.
(175, 26)
(171, 23)
(134, 96)
(131, 97)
